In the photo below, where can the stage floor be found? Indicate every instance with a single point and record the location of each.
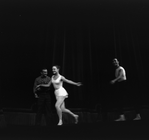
(129, 130)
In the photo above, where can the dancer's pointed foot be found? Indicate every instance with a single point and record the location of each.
(76, 119)
(122, 118)
(60, 122)
(138, 117)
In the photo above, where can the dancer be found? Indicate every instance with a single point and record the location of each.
(60, 93)
(43, 97)
(120, 87)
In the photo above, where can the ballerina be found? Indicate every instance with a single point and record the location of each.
(60, 93)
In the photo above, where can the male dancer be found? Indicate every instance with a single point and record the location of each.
(121, 88)
(43, 96)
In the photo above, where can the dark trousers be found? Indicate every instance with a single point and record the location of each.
(44, 107)
(120, 96)
(137, 103)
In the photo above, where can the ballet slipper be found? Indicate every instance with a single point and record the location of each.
(60, 123)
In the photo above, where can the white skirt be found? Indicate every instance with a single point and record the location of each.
(61, 92)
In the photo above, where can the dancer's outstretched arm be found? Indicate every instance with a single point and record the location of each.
(71, 82)
(45, 85)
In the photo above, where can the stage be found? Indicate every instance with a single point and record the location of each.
(129, 130)
(91, 126)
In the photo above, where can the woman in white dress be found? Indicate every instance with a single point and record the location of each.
(60, 93)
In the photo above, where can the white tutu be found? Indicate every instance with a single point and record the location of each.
(61, 92)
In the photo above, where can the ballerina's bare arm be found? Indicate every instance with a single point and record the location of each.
(71, 82)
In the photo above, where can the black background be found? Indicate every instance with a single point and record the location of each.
(82, 37)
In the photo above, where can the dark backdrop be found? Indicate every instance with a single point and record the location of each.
(82, 37)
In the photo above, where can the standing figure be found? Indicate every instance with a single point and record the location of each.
(60, 93)
(43, 98)
(120, 87)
